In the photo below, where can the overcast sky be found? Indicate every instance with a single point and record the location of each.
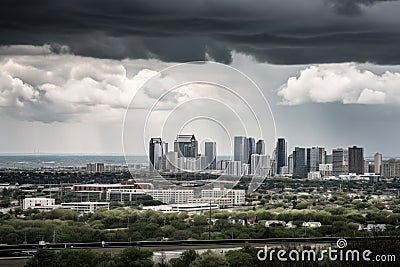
(330, 70)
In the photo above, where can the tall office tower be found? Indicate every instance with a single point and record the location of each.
(281, 154)
(233, 168)
(250, 149)
(255, 164)
(156, 153)
(356, 160)
(315, 156)
(239, 148)
(260, 164)
(391, 168)
(299, 162)
(340, 161)
(201, 163)
(290, 164)
(378, 163)
(260, 147)
(171, 160)
(210, 151)
(186, 145)
(328, 159)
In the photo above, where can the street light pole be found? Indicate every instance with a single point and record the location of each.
(209, 224)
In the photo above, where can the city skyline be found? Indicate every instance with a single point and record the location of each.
(249, 157)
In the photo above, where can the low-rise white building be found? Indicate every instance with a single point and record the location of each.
(183, 207)
(311, 224)
(172, 196)
(31, 202)
(85, 207)
(314, 175)
(237, 197)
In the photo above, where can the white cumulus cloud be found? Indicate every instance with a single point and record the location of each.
(57, 87)
(345, 83)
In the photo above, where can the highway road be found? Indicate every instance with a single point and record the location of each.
(9, 252)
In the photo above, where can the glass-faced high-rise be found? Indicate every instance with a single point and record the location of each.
(186, 146)
(281, 154)
(155, 153)
(210, 151)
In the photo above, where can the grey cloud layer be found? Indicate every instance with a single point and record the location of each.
(277, 31)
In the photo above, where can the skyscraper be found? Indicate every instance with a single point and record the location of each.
(156, 152)
(356, 160)
(210, 152)
(239, 148)
(378, 163)
(250, 149)
(315, 156)
(290, 164)
(186, 145)
(260, 147)
(260, 164)
(299, 162)
(340, 161)
(281, 154)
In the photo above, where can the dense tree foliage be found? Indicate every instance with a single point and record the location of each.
(130, 257)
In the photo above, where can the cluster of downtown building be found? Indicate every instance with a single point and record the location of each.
(250, 158)
(316, 162)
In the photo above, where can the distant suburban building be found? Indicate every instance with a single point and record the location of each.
(172, 196)
(98, 191)
(191, 207)
(314, 175)
(31, 202)
(95, 167)
(271, 223)
(311, 224)
(372, 227)
(234, 197)
(85, 207)
(125, 195)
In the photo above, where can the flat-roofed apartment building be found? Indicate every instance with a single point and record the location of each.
(99, 191)
(224, 197)
(32, 202)
(85, 207)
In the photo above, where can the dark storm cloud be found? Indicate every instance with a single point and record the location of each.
(352, 7)
(277, 31)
